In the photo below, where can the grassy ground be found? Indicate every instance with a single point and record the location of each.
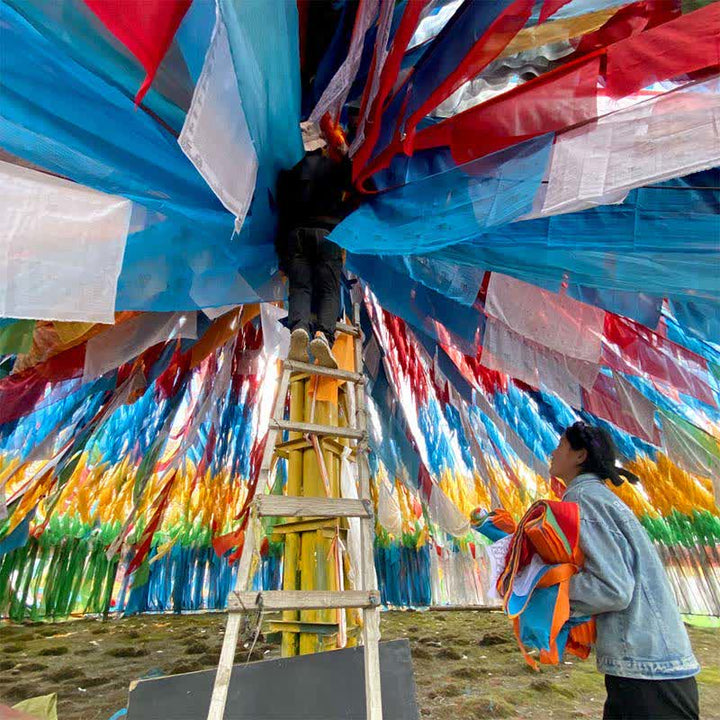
(466, 664)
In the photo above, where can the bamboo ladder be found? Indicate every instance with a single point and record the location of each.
(311, 508)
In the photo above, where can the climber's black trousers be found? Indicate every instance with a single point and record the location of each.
(313, 265)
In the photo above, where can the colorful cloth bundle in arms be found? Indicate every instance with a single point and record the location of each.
(543, 555)
(494, 525)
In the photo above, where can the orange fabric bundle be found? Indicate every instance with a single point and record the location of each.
(544, 554)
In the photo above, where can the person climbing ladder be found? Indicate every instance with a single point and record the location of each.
(312, 198)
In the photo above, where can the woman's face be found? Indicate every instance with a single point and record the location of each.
(565, 463)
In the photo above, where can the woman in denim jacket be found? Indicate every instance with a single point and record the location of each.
(642, 646)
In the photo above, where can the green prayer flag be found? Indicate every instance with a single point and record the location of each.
(142, 574)
(43, 707)
(714, 369)
(16, 336)
(689, 6)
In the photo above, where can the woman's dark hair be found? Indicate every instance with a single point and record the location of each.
(601, 453)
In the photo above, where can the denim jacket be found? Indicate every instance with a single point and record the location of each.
(623, 584)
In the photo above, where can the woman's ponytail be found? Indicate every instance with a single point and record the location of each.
(618, 475)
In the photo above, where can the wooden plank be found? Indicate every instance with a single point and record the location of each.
(371, 616)
(289, 446)
(292, 543)
(335, 373)
(295, 626)
(333, 445)
(285, 506)
(327, 443)
(278, 409)
(302, 600)
(304, 525)
(224, 671)
(371, 641)
(347, 329)
(232, 631)
(314, 429)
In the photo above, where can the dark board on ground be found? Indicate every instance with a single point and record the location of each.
(324, 686)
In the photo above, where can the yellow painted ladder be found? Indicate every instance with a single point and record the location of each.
(312, 509)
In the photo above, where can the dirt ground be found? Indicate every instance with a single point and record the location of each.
(466, 664)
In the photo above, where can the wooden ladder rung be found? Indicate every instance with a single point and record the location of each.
(325, 525)
(347, 329)
(302, 600)
(334, 373)
(313, 429)
(289, 506)
(297, 626)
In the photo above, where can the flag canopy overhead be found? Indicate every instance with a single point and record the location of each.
(539, 241)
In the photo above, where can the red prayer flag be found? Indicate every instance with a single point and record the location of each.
(303, 8)
(553, 101)
(388, 76)
(627, 22)
(493, 41)
(686, 44)
(222, 543)
(145, 27)
(603, 402)
(630, 347)
(425, 483)
(143, 547)
(170, 380)
(566, 96)
(20, 392)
